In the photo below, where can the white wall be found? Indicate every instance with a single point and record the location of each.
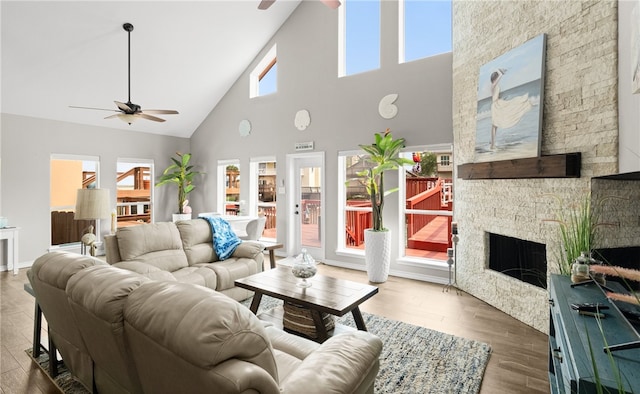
(27, 145)
(628, 104)
(344, 111)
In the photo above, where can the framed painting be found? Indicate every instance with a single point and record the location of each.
(510, 97)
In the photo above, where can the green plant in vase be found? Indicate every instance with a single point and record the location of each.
(384, 156)
(180, 173)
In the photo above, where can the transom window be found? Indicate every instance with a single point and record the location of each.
(263, 79)
(359, 30)
(425, 29)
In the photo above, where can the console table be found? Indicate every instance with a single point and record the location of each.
(573, 337)
(11, 235)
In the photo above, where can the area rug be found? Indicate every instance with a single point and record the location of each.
(64, 380)
(414, 359)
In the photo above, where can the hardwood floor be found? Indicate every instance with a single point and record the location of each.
(518, 362)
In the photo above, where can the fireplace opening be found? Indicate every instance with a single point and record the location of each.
(520, 259)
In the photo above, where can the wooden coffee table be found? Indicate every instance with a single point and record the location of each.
(329, 295)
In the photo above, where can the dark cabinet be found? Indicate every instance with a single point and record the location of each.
(576, 343)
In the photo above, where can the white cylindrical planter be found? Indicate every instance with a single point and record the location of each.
(181, 216)
(377, 253)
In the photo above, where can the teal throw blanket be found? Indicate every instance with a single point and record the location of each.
(225, 241)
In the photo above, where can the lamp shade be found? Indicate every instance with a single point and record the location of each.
(92, 204)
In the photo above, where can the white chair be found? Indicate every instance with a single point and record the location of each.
(254, 229)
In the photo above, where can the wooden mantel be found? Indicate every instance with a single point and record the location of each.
(565, 165)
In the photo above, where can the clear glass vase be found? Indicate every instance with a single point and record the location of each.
(580, 268)
(304, 268)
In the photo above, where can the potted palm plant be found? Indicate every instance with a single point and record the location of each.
(181, 173)
(383, 156)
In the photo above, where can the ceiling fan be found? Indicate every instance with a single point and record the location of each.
(333, 4)
(129, 112)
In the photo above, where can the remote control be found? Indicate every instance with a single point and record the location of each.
(589, 307)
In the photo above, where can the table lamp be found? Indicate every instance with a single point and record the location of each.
(91, 204)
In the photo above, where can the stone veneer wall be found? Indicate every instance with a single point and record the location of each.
(580, 115)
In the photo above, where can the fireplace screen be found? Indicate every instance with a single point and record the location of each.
(520, 259)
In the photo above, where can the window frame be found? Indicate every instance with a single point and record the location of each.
(222, 184)
(402, 211)
(254, 176)
(342, 40)
(341, 244)
(263, 67)
(402, 35)
(150, 164)
(75, 246)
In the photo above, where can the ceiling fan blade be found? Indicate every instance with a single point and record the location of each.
(160, 111)
(333, 4)
(98, 109)
(264, 4)
(123, 107)
(149, 117)
(113, 116)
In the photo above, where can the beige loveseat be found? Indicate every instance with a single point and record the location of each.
(183, 252)
(137, 335)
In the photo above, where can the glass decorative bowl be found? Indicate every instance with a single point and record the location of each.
(304, 267)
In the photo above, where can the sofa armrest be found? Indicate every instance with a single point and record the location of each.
(111, 249)
(145, 269)
(239, 376)
(248, 250)
(346, 363)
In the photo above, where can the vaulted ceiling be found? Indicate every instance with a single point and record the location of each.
(184, 56)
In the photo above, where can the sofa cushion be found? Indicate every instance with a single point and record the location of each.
(227, 271)
(169, 313)
(157, 244)
(197, 241)
(97, 296)
(49, 276)
(203, 276)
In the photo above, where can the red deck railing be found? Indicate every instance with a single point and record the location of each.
(422, 194)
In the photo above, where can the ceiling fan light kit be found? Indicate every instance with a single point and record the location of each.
(130, 112)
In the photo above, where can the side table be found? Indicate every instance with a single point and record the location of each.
(271, 247)
(11, 235)
(37, 330)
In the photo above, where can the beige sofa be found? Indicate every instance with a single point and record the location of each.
(141, 335)
(183, 252)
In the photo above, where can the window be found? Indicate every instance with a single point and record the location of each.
(444, 160)
(263, 78)
(229, 202)
(427, 209)
(355, 206)
(134, 197)
(68, 173)
(425, 29)
(359, 29)
(263, 193)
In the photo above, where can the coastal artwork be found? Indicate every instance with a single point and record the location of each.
(510, 97)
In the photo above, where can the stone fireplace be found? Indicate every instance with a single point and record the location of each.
(579, 115)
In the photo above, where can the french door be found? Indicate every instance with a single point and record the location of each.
(306, 202)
